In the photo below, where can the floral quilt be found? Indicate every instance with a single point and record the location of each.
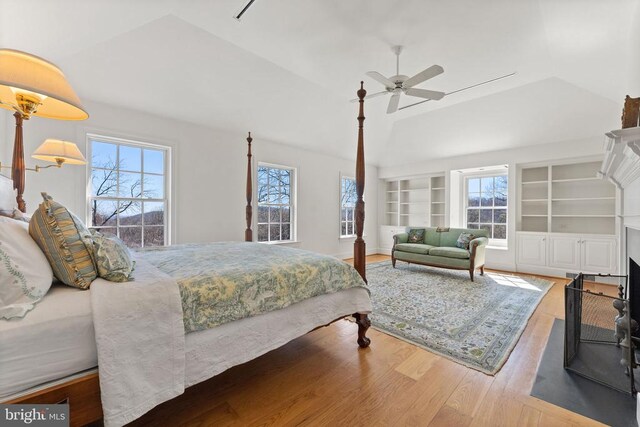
(223, 282)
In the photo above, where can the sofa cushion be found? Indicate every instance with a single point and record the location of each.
(438, 261)
(432, 237)
(415, 248)
(449, 238)
(416, 235)
(449, 252)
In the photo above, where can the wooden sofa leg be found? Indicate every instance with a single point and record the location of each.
(482, 270)
(363, 325)
(471, 273)
(393, 261)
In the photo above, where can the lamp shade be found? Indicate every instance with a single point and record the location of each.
(53, 150)
(23, 73)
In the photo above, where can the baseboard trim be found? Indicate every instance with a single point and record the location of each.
(348, 255)
(557, 272)
(499, 266)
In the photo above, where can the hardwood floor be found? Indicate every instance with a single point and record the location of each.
(324, 379)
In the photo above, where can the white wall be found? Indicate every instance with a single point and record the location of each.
(633, 85)
(631, 205)
(499, 258)
(209, 170)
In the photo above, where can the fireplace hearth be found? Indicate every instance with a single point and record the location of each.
(598, 336)
(601, 331)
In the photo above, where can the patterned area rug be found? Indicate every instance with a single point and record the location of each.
(476, 323)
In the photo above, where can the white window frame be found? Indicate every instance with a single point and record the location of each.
(293, 203)
(502, 243)
(340, 206)
(167, 200)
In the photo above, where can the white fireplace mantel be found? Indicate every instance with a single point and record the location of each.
(621, 163)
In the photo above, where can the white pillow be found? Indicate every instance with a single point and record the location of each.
(25, 273)
(7, 196)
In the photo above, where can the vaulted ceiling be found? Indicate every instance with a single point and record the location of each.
(287, 70)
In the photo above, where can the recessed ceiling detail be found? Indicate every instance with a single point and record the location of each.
(289, 68)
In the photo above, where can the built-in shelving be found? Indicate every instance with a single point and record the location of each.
(438, 201)
(583, 216)
(407, 201)
(534, 199)
(566, 198)
(576, 179)
(577, 199)
(418, 201)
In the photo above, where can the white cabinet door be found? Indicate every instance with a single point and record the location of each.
(386, 236)
(599, 255)
(564, 252)
(532, 249)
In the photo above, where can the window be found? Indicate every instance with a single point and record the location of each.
(348, 199)
(486, 205)
(275, 203)
(128, 193)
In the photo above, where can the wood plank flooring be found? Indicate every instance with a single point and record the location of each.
(324, 379)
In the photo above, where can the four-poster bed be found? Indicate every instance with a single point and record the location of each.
(241, 340)
(359, 246)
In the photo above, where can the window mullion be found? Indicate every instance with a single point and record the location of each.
(118, 201)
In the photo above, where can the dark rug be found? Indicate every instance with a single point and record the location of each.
(568, 390)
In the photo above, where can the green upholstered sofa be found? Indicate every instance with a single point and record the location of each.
(439, 249)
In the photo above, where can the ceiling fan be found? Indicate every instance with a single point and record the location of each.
(399, 84)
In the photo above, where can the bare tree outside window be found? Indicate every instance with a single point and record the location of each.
(487, 205)
(275, 210)
(128, 192)
(348, 198)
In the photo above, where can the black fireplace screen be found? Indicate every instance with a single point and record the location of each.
(598, 329)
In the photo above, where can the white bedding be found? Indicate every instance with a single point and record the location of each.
(140, 340)
(51, 352)
(54, 340)
(213, 351)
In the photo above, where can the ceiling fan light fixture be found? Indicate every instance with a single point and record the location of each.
(400, 84)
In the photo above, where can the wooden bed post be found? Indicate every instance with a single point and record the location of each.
(17, 164)
(248, 234)
(359, 246)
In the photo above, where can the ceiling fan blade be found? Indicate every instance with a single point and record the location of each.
(393, 103)
(381, 79)
(422, 76)
(462, 89)
(373, 95)
(424, 93)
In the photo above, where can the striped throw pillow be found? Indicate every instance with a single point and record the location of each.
(65, 241)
